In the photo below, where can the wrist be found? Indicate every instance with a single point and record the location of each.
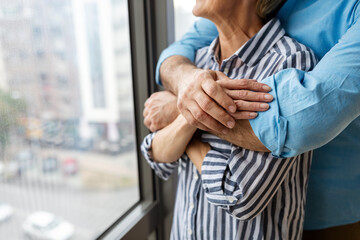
(171, 69)
(184, 125)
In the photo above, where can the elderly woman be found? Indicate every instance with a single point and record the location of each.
(224, 191)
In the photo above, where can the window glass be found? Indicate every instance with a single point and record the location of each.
(68, 161)
(183, 16)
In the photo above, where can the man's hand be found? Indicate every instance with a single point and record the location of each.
(248, 102)
(160, 110)
(210, 100)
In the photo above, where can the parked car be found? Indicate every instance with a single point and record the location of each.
(70, 166)
(6, 211)
(45, 225)
(50, 164)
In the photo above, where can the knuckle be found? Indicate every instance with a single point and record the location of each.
(147, 123)
(211, 90)
(243, 94)
(259, 97)
(243, 82)
(155, 121)
(180, 104)
(210, 87)
(239, 104)
(192, 121)
(199, 115)
(206, 105)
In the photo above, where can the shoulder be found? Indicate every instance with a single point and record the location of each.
(288, 46)
(295, 54)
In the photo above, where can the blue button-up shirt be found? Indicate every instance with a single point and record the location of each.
(320, 108)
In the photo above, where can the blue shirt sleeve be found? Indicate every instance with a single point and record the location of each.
(312, 108)
(201, 34)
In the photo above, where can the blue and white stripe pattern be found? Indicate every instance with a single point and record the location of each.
(242, 194)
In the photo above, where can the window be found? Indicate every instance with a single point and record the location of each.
(184, 18)
(68, 152)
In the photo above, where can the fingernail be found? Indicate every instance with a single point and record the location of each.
(225, 131)
(230, 124)
(253, 114)
(264, 105)
(268, 96)
(266, 87)
(232, 109)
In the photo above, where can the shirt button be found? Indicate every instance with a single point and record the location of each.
(190, 231)
(196, 177)
(231, 199)
(191, 206)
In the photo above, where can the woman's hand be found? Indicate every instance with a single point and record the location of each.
(160, 110)
(248, 102)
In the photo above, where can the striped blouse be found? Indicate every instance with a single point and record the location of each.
(242, 194)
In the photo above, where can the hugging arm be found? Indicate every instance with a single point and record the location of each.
(312, 108)
(306, 112)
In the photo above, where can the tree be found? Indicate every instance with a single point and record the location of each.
(11, 109)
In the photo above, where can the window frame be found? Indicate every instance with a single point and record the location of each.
(151, 30)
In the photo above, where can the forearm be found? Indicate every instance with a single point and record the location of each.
(243, 136)
(170, 142)
(196, 151)
(172, 70)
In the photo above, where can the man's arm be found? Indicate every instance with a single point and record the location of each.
(200, 100)
(160, 110)
(243, 135)
(310, 109)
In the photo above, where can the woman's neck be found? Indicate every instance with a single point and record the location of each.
(236, 28)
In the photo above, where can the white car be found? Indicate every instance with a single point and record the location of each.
(6, 211)
(45, 225)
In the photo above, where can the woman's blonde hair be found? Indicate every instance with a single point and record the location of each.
(268, 9)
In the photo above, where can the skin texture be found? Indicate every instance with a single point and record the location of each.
(211, 109)
(208, 99)
(170, 142)
(160, 110)
(165, 107)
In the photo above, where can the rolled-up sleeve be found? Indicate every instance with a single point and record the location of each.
(163, 170)
(243, 182)
(201, 34)
(312, 108)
